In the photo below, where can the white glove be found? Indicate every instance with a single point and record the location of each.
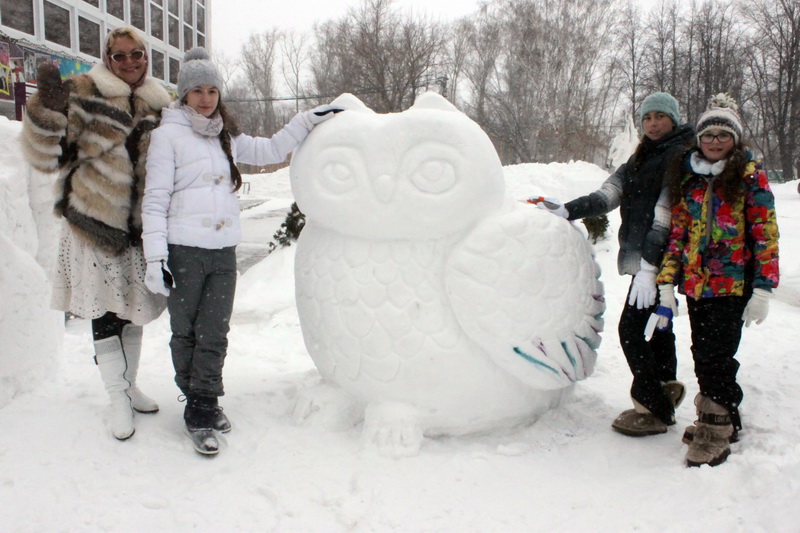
(549, 204)
(158, 278)
(643, 289)
(666, 293)
(667, 309)
(757, 308)
(319, 114)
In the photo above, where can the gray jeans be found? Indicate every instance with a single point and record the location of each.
(200, 308)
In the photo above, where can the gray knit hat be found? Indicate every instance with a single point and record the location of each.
(196, 70)
(721, 113)
(663, 103)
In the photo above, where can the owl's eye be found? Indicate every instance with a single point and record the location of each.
(338, 177)
(434, 176)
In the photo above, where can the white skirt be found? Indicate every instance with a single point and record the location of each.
(88, 282)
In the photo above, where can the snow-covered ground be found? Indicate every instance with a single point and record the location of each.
(61, 470)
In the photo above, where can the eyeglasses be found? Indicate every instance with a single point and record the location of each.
(708, 138)
(119, 57)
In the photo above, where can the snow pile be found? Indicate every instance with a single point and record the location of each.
(61, 470)
(31, 333)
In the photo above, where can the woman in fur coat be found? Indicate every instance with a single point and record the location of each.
(723, 255)
(94, 130)
(191, 228)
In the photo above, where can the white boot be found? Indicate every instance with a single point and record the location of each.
(111, 362)
(132, 346)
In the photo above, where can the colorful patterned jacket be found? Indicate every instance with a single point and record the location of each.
(717, 248)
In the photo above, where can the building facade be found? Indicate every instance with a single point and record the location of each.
(71, 33)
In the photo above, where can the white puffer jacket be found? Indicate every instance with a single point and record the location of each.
(189, 198)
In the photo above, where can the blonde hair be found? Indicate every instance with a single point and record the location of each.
(124, 31)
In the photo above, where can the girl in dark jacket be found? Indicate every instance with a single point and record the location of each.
(639, 188)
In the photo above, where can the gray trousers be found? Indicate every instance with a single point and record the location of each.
(200, 308)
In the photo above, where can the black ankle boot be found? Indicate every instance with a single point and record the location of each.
(205, 411)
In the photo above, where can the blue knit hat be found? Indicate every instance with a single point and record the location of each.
(663, 103)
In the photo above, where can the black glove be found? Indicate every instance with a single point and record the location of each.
(53, 93)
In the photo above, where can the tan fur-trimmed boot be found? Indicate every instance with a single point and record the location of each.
(712, 434)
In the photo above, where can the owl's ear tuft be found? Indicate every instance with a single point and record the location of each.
(432, 100)
(350, 103)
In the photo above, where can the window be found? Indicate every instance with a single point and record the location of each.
(56, 24)
(137, 14)
(95, 3)
(174, 32)
(17, 14)
(174, 67)
(201, 19)
(89, 37)
(187, 11)
(173, 7)
(187, 37)
(157, 21)
(201, 40)
(157, 64)
(115, 8)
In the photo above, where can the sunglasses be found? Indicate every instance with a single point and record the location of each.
(119, 57)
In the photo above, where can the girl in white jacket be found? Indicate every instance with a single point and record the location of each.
(190, 219)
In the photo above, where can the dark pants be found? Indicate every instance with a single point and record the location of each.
(652, 363)
(716, 333)
(200, 308)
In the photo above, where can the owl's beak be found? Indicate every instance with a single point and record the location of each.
(383, 186)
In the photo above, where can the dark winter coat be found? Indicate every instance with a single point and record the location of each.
(636, 188)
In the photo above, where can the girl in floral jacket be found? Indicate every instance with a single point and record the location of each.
(722, 254)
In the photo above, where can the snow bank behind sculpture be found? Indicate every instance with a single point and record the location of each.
(30, 332)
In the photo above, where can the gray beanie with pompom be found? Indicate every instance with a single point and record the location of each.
(196, 70)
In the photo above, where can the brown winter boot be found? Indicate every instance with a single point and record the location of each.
(713, 430)
(675, 391)
(638, 422)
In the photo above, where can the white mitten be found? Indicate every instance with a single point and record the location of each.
(158, 277)
(549, 204)
(757, 308)
(643, 289)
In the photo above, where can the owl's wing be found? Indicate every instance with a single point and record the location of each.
(525, 286)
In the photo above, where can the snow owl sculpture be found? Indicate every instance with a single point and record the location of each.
(425, 295)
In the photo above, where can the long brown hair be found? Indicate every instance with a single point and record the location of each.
(230, 129)
(730, 177)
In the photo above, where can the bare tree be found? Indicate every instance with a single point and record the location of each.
(295, 55)
(257, 63)
(631, 39)
(540, 72)
(774, 63)
(377, 53)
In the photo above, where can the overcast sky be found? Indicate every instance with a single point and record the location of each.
(233, 20)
